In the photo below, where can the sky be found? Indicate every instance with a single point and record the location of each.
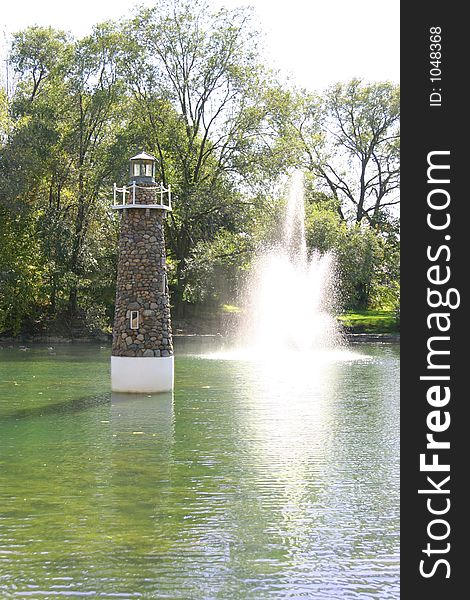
(315, 43)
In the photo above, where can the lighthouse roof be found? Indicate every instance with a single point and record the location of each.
(143, 156)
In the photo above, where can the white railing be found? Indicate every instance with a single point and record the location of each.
(125, 196)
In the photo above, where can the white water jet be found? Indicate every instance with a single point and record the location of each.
(291, 295)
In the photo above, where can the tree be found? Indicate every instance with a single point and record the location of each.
(36, 53)
(358, 161)
(202, 96)
(93, 121)
(20, 271)
(5, 122)
(367, 260)
(59, 160)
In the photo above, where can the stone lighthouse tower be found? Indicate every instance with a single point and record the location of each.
(142, 353)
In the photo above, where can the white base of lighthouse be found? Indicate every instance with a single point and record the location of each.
(142, 375)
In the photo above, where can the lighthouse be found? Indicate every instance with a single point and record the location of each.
(142, 352)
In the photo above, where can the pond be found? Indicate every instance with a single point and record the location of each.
(254, 480)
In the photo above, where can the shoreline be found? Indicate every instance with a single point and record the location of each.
(19, 341)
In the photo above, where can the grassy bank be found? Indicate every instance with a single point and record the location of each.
(370, 321)
(358, 321)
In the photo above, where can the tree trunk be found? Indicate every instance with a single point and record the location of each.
(73, 303)
(53, 295)
(74, 265)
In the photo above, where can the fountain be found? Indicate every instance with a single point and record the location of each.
(291, 295)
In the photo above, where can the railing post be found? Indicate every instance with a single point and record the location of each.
(114, 195)
(169, 196)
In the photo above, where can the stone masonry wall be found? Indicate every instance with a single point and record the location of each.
(142, 283)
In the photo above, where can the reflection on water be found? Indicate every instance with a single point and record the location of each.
(257, 479)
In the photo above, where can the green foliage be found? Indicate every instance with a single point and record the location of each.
(187, 84)
(367, 260)
(214, 271)
(5, 121)
(58, 161)
(20, 272)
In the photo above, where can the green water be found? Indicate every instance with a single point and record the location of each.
(254, 480)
